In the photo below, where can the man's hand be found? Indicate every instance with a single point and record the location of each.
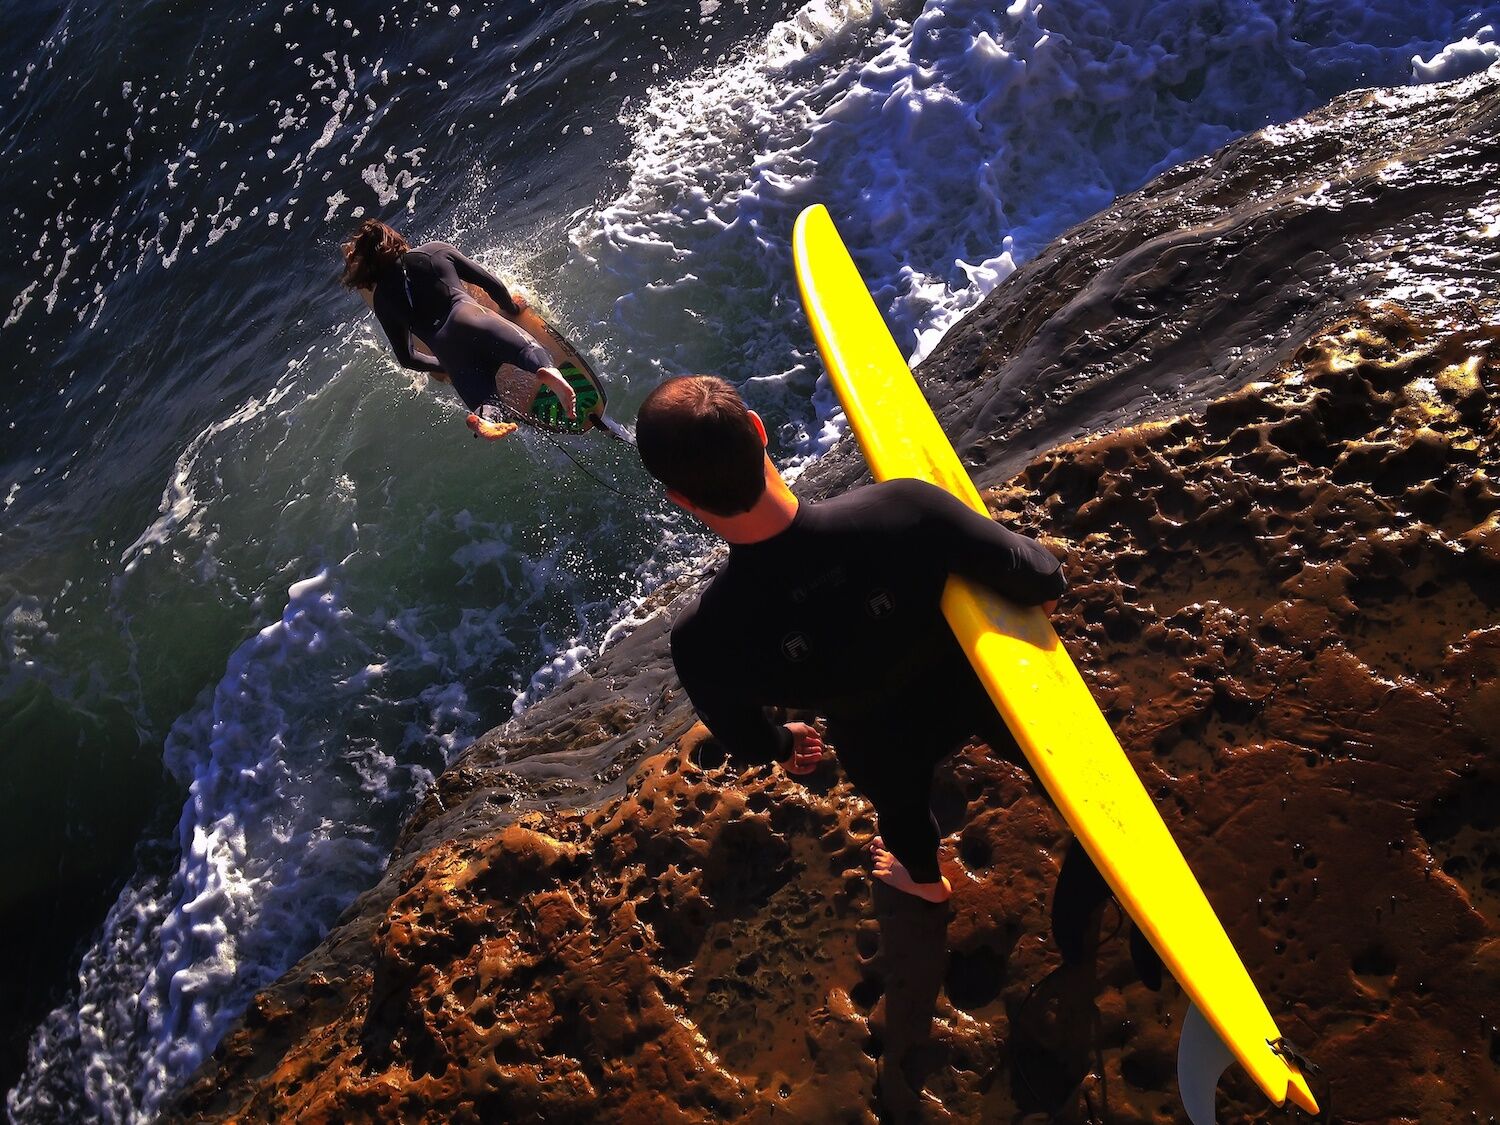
(807, 749)
(1049, 607)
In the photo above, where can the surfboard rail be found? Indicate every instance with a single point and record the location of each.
(1034, 683)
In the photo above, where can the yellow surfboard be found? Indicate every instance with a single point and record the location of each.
(1043, 699)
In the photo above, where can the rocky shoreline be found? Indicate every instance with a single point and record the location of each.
(1284, 551)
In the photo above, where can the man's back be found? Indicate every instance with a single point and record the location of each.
(840, 612)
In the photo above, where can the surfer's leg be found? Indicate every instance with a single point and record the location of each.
(552, 378)
(893, 873)
(899, 785)
(514, 390)
(536, 360)
(488, 355)
(1080, 894)
(1076, 900)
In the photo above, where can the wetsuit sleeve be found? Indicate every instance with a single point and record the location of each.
(471, 271)
(976, 547)
(732, 717)
(398, 332)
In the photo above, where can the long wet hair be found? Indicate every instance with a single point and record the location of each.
(369, 251)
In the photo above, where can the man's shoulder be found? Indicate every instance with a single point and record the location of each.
(895, 490)
(909, 490)
(721, 604)
(894, 501)
(686, 627)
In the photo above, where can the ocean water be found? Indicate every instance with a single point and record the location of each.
(258, 586)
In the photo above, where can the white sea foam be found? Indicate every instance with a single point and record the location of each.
(281, 829)
(335, 94)
(274, 840)
(563, 666)
(181, 509)
(1469, 54)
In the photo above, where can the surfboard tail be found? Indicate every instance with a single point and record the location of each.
(614, 429)
(1202, 1058)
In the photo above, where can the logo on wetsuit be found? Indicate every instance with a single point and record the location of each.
(880, 603)
(830, 579)
(795, 647)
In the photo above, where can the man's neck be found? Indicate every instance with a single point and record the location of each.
(773, 513)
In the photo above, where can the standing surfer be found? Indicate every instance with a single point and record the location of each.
(834, 607)
(420, 297)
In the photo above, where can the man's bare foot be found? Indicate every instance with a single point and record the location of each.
(490, 431)
(892, 872)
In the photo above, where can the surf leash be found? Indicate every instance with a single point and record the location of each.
(1285, 1049)
(612, 428)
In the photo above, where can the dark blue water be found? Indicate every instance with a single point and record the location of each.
(257, 586)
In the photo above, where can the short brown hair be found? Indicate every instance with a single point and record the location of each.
(369, 250)
(695, 435)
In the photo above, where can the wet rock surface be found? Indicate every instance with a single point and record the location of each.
(1285, 598)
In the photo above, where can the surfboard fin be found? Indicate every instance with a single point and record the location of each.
(614, 429)
(1202, 1059)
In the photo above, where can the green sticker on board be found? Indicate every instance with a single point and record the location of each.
(548, 411)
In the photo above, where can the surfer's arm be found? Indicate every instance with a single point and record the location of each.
(974, 546)
(471, 271)
(399, 334)
(738, 722)
(422, 354)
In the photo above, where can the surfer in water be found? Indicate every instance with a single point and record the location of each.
(834, 608)
(420, 295)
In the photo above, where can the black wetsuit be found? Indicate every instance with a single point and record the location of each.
(839, 614)
(423, 294)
